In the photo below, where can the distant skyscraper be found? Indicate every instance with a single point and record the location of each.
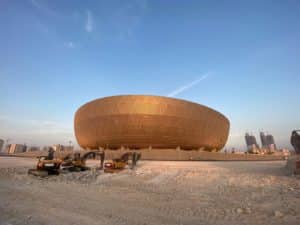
(267, 141)
(251, 141)
(263, 139)
(271, 142)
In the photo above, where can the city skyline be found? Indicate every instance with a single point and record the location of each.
(240, 58)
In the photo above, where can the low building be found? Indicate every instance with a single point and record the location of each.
(68, 148)
(6, 148)
(46, 148)
(16, 148)
(59, 147)
(283, 151)
(33, 149)
(1, 144)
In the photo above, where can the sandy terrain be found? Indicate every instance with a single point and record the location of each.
(155, 193)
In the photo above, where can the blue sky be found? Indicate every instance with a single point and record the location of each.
(239, 57)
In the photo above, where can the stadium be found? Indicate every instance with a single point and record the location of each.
(142, 121)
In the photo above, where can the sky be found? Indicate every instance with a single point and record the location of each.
(241, 58)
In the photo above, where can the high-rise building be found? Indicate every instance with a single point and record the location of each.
(263, 139)
(267, 141)
(271, 142)
(251, 142)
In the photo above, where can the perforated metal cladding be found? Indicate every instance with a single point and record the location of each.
(139, 121)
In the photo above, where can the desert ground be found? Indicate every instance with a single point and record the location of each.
(155, 192)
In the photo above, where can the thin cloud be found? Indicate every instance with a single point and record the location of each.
(89, 25)
(42, 6)
(187, 86)
(37, 4)
(69, 44)
(127, 17)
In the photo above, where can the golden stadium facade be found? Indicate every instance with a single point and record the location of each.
(142, 121)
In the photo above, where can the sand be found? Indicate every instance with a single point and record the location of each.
(154, 193)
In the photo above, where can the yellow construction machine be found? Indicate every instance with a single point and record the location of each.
(118, 164)
(76, 162)
(295, 140)
(48, 165)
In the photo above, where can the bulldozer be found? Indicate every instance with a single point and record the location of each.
(295, 140)
(118, 164)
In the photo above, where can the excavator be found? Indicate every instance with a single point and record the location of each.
(294, 162)
(48, 165)
(295, 140)
(118, 164)
(76, 162)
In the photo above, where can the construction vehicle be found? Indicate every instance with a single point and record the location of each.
(118, 164)
(46, 165)
(295, 140)
(76, 162)
(293, 163)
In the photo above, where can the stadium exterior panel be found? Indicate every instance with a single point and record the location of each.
(141, 121)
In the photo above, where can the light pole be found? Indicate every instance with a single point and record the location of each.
(70, 144)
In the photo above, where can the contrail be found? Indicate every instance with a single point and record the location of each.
(187, 86)
(89, 21)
